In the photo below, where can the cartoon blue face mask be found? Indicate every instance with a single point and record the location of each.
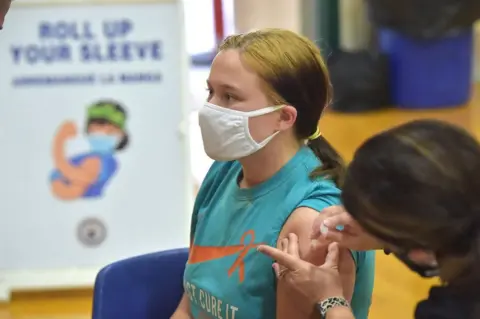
(103, 143)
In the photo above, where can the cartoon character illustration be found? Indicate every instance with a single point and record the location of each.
(86, 175)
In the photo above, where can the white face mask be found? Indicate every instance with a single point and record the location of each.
(225, 132)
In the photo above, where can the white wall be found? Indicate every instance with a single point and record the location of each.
(256, 14)
(199, 25)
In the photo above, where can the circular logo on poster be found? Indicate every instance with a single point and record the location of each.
(91, 232)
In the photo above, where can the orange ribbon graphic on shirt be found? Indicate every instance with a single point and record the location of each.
(199, 254)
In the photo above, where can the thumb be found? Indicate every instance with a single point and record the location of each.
(331, 261)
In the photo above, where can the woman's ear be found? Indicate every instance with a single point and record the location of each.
(288, 116)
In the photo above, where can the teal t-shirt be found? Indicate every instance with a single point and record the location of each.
(225, 276)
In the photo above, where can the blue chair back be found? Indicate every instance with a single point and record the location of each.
(143, 287)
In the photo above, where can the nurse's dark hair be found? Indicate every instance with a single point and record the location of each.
(294, 73)
(416, 186)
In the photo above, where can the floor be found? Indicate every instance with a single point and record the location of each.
(396, 289)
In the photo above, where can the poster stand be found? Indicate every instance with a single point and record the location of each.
(94, 101)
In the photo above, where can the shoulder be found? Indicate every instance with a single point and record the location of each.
(320, 193)
(357, 268)
(305, 216)
(300, 223)
(218, 172)
(311, 197)
(220, 169)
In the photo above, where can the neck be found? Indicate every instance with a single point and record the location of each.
(265, 163)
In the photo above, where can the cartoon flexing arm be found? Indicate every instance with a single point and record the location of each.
(75, 178)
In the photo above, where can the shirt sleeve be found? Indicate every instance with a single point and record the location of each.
(323, 195)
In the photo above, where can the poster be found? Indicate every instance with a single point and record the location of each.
(95, 164)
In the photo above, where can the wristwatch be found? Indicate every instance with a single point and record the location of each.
(324, 306)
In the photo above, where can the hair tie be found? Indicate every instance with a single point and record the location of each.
(315, 135)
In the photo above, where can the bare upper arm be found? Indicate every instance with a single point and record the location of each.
(300, 223)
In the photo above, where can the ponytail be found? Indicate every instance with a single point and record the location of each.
(333, 166)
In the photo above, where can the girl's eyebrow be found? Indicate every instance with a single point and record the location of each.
(226, 86)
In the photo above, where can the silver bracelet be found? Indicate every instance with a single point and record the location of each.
(324, 306)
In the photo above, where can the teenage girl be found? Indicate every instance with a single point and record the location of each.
(273, 173)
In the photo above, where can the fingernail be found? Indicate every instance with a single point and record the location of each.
(326, 222)
(323, 229)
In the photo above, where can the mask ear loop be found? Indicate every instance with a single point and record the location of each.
(260, 112)
(263, 111)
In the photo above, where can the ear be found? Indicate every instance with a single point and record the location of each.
(288, 116)
(422, 257)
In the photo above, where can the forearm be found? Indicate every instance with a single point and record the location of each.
(340, 313)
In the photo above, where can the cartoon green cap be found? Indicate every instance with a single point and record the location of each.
(107, 112)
